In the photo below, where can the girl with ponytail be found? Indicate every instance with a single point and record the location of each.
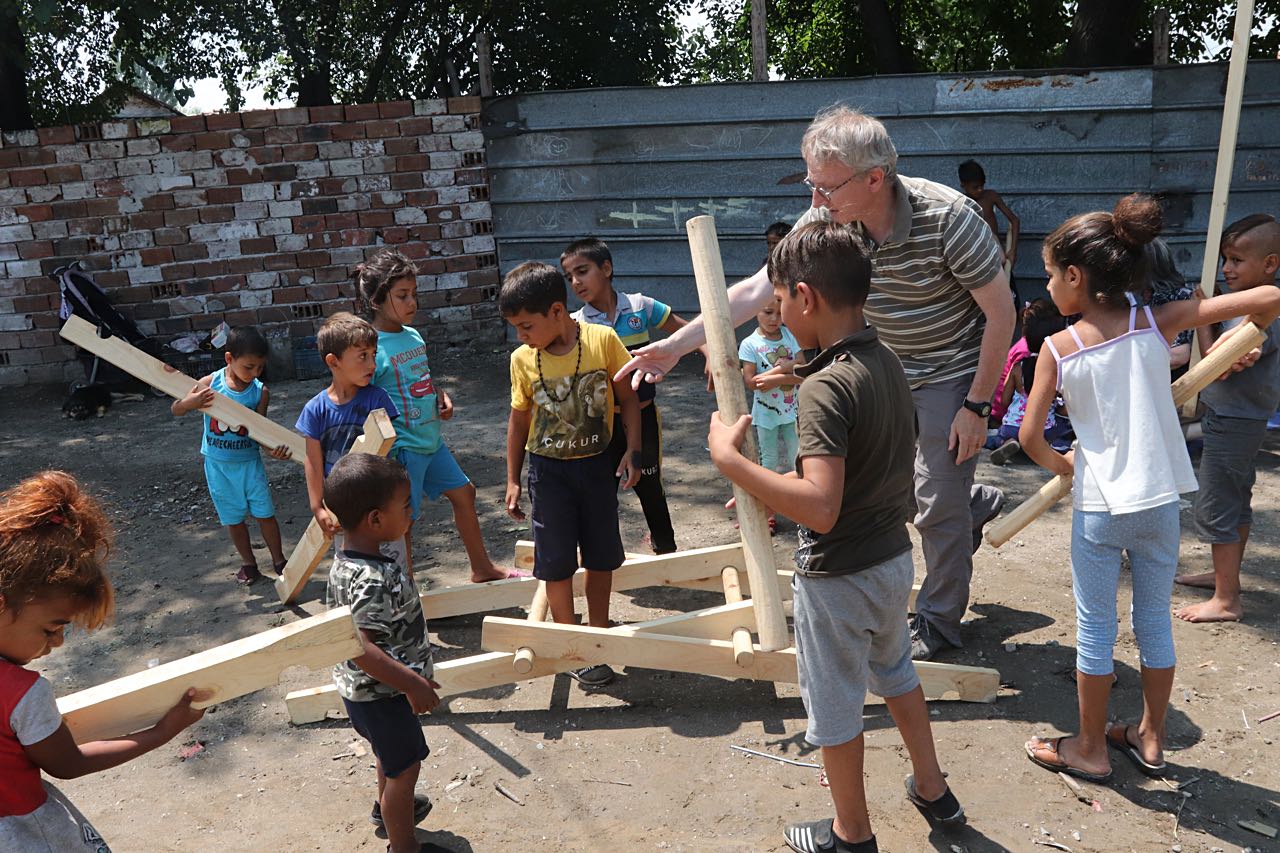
(1129, 466)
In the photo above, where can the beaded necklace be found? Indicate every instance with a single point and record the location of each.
(572, 383)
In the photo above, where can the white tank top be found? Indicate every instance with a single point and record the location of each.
(1130, 454)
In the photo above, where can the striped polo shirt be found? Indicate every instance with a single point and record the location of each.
(938, 250)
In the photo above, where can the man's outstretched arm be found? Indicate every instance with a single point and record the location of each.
(653, 362)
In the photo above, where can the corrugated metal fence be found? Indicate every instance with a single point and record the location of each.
(631, 165)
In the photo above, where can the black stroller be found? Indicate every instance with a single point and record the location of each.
(82, 297)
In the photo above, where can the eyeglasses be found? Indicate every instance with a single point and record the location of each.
(827, 194)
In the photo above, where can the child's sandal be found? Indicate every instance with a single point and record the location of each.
(248, 574)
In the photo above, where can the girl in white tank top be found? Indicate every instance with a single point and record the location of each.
(1129, 466)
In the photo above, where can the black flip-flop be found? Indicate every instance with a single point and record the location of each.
(945, 809)
(1062, 766)
(819, 836)
(1121, 744)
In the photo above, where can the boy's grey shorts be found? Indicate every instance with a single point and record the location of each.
(851, 634)
(1228, 469)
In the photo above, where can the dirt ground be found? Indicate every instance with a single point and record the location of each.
(645, 763)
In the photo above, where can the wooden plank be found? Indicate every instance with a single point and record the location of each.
(138, 701)
(377, 438)
(479, 672)
(160, 376)
(759, 42)
(731, 399)
(582, 646)
(1234, 94)
(1186, 388)
(524, 555)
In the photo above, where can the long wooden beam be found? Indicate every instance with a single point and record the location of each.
(731, 400)
(176, 384)
(138, 701)
(1203, 374)
(377, 438)
(480, 672)
(582, 646)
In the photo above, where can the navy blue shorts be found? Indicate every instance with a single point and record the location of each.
(393, 731)
(575, 506)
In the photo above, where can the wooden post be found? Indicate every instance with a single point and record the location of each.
(176, 384)
(1186, 388)
(1226, 162)
(378, 437)
(1160, 36)
(759, 42)
(484, 64)
(757, 544)
(743, 653)
(523, 660)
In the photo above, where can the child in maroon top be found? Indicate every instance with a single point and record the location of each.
(53, 542)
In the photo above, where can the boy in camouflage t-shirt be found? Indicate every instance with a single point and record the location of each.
(385, 688)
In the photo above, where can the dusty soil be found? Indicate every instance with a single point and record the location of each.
(644, 763)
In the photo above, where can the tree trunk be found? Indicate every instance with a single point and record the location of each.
(1105, 33)
(315, 88)
(15, 100)
(882, 33)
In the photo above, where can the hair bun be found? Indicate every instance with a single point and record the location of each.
(1137, 220)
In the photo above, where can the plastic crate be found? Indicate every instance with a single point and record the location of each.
(307, 363)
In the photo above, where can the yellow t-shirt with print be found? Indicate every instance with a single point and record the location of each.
(572, 415)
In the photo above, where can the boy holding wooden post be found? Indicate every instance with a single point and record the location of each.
(853, 563)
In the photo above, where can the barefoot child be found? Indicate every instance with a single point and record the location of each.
(54, 540)
(387, 285)
(562, 400)
(853, 563)
(1235, 423)
(233, 466)
(1129, 466)
(385, 689)
(973, 181)
(588, 265)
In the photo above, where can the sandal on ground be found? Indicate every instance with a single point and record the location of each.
(1118, 739)
(1055, 762)
(279, 567)
(421, 808)
(819, 836)
(945, 809)
(248, 574)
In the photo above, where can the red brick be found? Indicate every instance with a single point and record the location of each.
(217, 213)
(431, 266)
(186, 124)
(280, 172)
(176, 272)
(258, 118)
(224, 195)
(155, 257)
(213, 141)
(395, 235)
(361, 112)
(8, 158)
(406, 181)
(331, 274)
(424, 233)
(169, 236)
(331, 113)
(339, 221)
(31, 340)
(31, 304)
(242, 176)
(433, 214)
(222, 121)
(36, 212)
(298, 115)
(147, 220)
(385, 127)
(416, 251)
(103, 206)
(228, 283)
(28, 177)
(159, 201)
(346, 131)
(287, 295)
(36, 249)
(279, 135)
(275, 263)
(327, 240)
(323, 292)
(460, 263)
(376, 218)
(69, 209)
(358, 236)
(266, 154)
(318, 206)
(258, 245)
(178, 142)
(465, 104)
(421, 198)
(400, 146)
(240, 266)
(395, 109)
(413, 163)
(185, 216)
(111, 188)
(305, 151)
(312, 259)
(191, 252)
(314, 133)
(417, 126)
(308, 224)
(57, 135)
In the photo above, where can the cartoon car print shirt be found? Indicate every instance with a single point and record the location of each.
(635, 316)
(403, 372)
(777, 405)
(226, 443)
(572, 412)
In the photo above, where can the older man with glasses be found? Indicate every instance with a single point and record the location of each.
(940, 300)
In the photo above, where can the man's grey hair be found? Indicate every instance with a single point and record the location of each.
(855, 139)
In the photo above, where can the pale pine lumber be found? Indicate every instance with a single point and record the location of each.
(743, 653)
(377, 438)
(523, 661)
(160, 376)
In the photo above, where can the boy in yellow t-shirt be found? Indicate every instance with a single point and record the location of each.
(562, 399)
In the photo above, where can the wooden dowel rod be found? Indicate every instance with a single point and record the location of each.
(743, 651)
(731, 397)
(538, 608)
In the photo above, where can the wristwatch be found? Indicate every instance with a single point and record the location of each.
(982, 410)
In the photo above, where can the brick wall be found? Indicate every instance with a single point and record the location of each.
(253, 218)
